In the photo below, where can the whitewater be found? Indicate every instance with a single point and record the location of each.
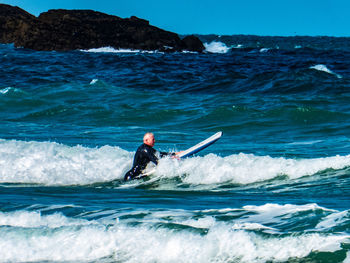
(50, 163)
(274, 188)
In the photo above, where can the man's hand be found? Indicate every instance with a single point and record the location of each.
(176, 155)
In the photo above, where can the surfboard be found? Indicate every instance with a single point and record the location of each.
(200, 146)
(150, 169)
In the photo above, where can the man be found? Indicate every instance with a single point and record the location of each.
(145, 154)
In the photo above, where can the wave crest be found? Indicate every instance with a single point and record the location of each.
(50, 163)
(216, 47)
(245, 168)
(175, 235)
(323, 68)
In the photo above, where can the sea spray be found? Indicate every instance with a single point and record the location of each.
(216, 47)
(246, 168)
(173, 235)
(50, 163)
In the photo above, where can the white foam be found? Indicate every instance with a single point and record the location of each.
(206, 222)
(347, 259)
(269, 218)
(110, 50)
(305, 142)
(71, 239)
(238, 46)
(276, 209)
(216, 47)
(333, 220)
(5, 90)
(51, 163)
(247, 218)
(56, 164)
(8, 90)
(245, 168)
(27, 219)
(94, 81)
(188, 52)
(270, 213)
(323, 68)
(121, 50)
(252, 226)
(264, 50)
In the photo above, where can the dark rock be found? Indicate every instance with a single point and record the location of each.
(84, 29)
(139, 20)
(193, 43)
(13, 23)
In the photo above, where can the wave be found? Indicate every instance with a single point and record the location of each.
(112, 50)
(248, 234)
(178, 74)
(245, 168)
(284, 43)
(244, 115)
(130, 51)
(237, 46)
(323, 68)
(93, 81)
(5, 90)
(50, 163)
(216, 47)
(264, 50)
(10, 90)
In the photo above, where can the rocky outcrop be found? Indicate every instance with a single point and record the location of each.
(84, 29)
(14, 23)
(193, 43)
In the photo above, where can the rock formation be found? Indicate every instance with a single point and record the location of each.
(84, 29)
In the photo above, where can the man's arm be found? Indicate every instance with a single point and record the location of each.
(151, 156)
(173, 155)
(163, 154)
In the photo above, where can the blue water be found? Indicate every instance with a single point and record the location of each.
(274, 188)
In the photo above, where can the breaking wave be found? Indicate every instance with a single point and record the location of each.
(216, 47)
(50, 163)
(111, 50)
(323, 68)
(247, 234)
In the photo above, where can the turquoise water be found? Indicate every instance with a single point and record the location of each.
(274, 188)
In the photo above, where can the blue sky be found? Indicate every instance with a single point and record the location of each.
(269, 17)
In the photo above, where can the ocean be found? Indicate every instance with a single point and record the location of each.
(274, 188)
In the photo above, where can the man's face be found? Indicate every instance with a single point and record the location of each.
(150, 140)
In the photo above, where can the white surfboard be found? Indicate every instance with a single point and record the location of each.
(150, 169)
(200, 146)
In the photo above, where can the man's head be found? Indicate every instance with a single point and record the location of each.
(148, 139)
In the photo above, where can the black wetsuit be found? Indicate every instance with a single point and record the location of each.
(143, 156)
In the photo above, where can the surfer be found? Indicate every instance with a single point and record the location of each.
(145, 154)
